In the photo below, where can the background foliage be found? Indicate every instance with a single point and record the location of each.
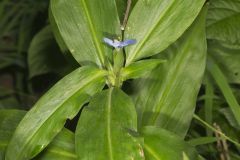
(201, 114)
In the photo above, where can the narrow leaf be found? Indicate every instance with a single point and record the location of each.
(46, 119)
(83, 24)
(167, 96)
(205, 124)
(156, 24)
(103, 130)
(225, 88)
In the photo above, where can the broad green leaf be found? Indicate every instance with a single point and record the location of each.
(223, 34)
(44, 55)
(156, 24)
(140, 68)
(62, 45)
(167, 96)
(225, 88)
(227, 57)
(9, 120)
(46, 119)
(160, 144)
(104, 127)
(223, 21)
(62, 146)
(83, 24)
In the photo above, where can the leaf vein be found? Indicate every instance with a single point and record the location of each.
(151, 151)
(109, 125)
(134, 54)
(93, 33)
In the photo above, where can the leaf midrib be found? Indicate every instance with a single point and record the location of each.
(93, 33)
(151, 151)
(109, 136)
(147, 36)
(62, 152)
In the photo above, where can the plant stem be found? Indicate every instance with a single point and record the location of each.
(215, 130)
(129, 2)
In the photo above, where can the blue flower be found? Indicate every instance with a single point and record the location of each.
(118, 44)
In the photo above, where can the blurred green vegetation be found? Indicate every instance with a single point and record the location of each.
(31, 62)
(30, 59)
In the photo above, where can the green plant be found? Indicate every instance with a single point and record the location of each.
(133, 102)
(27, 53)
